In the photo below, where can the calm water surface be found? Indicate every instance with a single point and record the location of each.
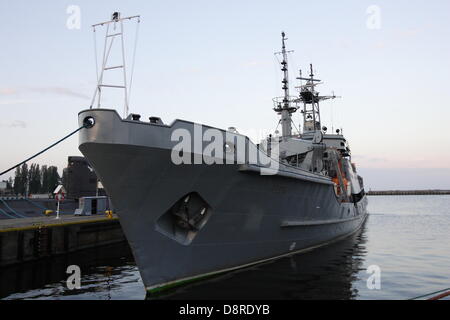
(408, 237)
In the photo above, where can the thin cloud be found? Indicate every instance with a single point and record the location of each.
(367, 159)
(16, 101)
(377, 160)
(45, 90)
(7, 91)
(60, 91)
(15, 124)
(254, 63)
(410, 33)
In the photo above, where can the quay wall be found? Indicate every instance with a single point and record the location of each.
(31, 240)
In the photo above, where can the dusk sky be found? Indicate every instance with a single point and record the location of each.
(213, 62)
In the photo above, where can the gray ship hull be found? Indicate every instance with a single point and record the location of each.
(251, 217)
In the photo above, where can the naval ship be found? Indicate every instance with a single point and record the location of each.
(195, 200)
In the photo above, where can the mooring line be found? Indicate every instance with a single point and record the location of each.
(12, 210)
(440, 296)
(7, 214)
(44, 208)
(36, 205)
(443, 293)
(40, 152)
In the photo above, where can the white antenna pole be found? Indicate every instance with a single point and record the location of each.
(283, 105)
(124, 72)
(105, 58)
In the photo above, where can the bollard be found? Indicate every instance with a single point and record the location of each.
(109, 214)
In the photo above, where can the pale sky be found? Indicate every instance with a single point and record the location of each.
(213, 62)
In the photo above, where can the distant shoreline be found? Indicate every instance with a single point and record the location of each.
(408, 192)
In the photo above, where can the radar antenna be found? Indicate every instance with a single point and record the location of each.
(310, 99)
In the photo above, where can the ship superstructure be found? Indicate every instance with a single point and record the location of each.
(195, 200)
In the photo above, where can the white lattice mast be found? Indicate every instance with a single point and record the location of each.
(311, 99)
(116, 24)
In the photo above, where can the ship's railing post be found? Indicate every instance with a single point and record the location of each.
(246, 150)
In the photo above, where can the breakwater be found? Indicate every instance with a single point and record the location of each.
(408, 192)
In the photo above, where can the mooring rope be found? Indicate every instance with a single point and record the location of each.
(36, 204)
(44, 208)
(40, 152)
(442, 294)
(8, 215)
(12, 210)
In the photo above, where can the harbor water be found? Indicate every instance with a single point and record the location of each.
(406, 238)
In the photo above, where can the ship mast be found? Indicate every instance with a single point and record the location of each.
(114, 29)
(310, 98)
(283, 105)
